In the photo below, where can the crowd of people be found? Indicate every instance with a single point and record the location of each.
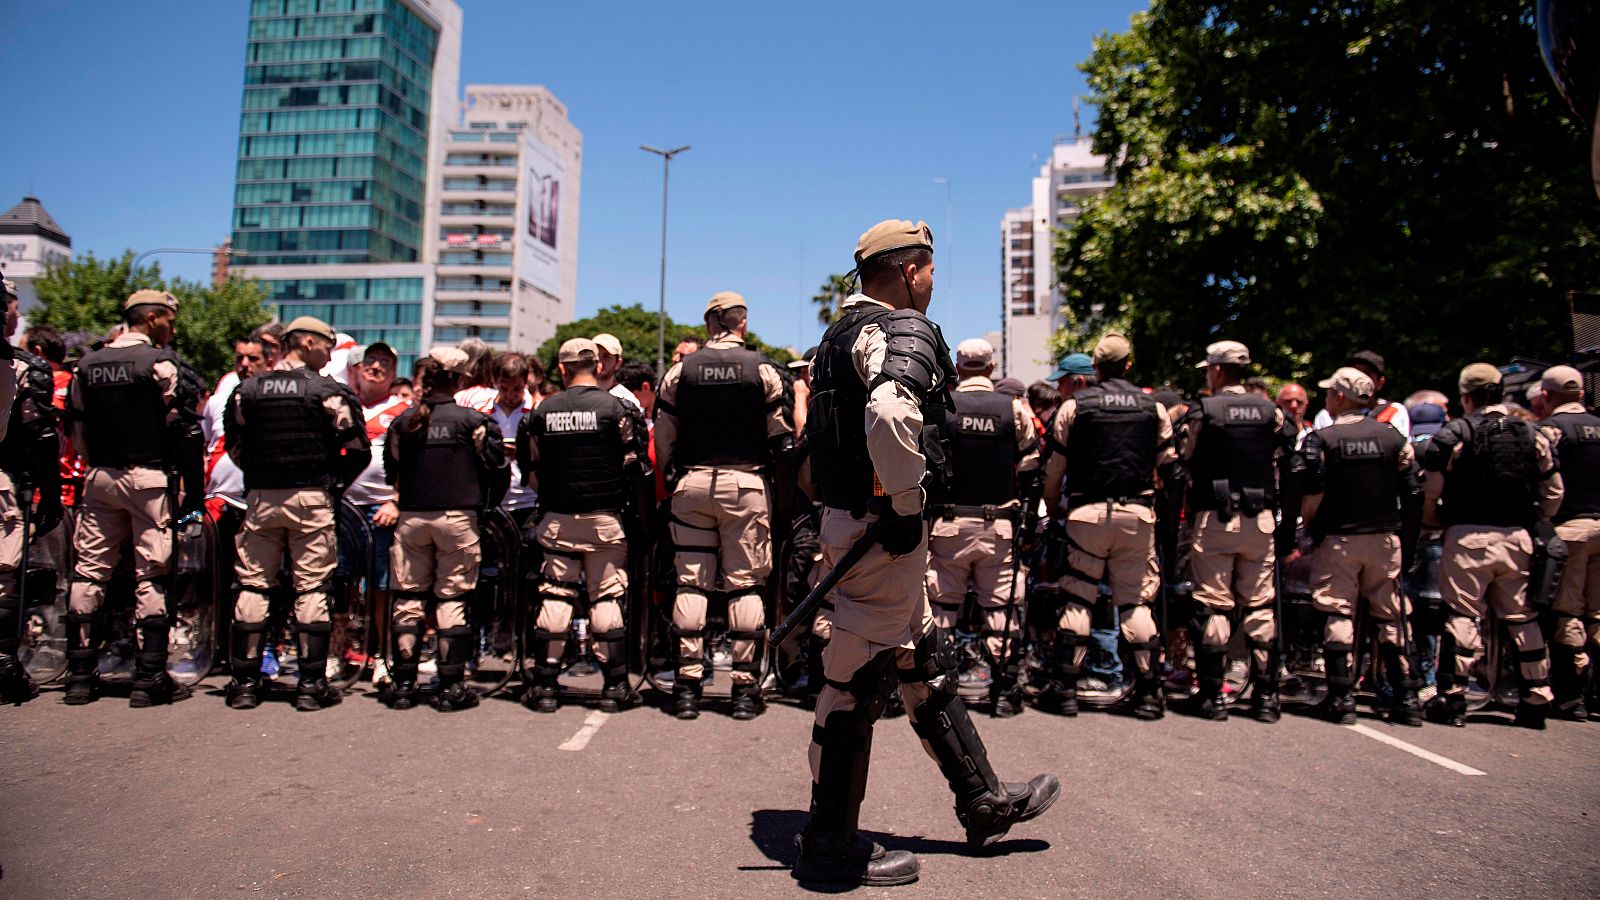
(1096, 536)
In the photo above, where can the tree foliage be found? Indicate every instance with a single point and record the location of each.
(1315, 178)
(830, 297)
(85, 296)
(636, 328)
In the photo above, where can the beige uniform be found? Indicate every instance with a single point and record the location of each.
(1107, 539)
(976, 551)
(721, 524)
(1233, 561)
(297, 520)
(1577, 603)
(121, 504)
(1347, 566)
(1485, 567)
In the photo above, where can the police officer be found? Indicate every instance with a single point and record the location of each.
(447, 464)
(720, 424)
(300, 438)
(125, 401)
(28, 460)
(995, 457)
(1360, 481)
(1233, 443)
(1108, 440)
(880, 392)
(583, 450)
(1575, 432)
(1490, 477)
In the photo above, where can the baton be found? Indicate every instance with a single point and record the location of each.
(808, 607)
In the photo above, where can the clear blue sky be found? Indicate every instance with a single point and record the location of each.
(808, 122)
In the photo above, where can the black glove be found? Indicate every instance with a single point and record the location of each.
(900, 534)
(47, 516)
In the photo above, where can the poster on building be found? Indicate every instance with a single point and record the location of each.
(540, 260)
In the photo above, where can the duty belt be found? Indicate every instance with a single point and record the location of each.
(988, 512)
(1076, 500)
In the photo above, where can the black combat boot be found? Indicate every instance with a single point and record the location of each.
(1405, 708)
(1338, 707)
(455, 645)
(1531, 715)
(15, 685)
(83, 661)
(402, 693)
(1264, 705)
(1566, 679)
(1149, 703)
(747, 702)
(1208, 702)
(1447, 709)
(1060, 693)
(314, 692)
(985, 805)
(686, 697)
(616, 694)
(1005, 694)
(542, 693)
(151, 683)
(244, 658)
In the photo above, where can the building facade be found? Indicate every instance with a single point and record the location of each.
(30, 243)
(1031, 305)
(346, 103)
(508, 219)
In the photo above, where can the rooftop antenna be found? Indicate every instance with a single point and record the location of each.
(1077, 127)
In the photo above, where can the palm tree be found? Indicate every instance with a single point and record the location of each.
(829, 297)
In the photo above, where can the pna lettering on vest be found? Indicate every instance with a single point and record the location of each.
(1125, 401)
(1588, 433)
(1359, 448)
(571, 422)
(721, 373)
(980, 424)
(280, 387)
(114, 373)
(1245, 414)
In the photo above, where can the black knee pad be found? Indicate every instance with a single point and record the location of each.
(1064, 656)
(75, 623)
(871, 685)
(935, 661)
(455, 646)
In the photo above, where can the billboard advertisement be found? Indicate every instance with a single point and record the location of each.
(540, 259)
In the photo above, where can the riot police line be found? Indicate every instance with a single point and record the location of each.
(1113, 515)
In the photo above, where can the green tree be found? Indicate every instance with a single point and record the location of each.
(86, 296)
(1314, 178)
(635, 327)
(830, 297)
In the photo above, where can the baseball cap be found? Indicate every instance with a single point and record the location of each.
(310, 324)
(1351, 382)
(380, 348)
(1478, 375)
(893, 234)
(1426, 419)
(1011, 387)
(578, 350)
(609, 343)
(804, 362)
(159, 298)
(1072, 364)
(1225, 353)
(719, 301)
(1367, 361)
(974, 353)
(454, 359)
(1112, 348)
(1561, 380)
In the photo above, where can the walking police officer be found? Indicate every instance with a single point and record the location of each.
(1233, 444)
(1109, 441)
(583, 450)
(1360, 483)
(880, 394)
(720, 423)
(1490, 477)
(1575, 432)
(447, 464)
(28, 460)
(995, 457)
(300, 438)
(127, 399)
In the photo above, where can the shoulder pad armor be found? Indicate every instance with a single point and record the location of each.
(916, 356)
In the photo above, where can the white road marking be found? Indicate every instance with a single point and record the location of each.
(1412, 749)
(591, 724)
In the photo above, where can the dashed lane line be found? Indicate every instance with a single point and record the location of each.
(1412, 749)
(591, 724)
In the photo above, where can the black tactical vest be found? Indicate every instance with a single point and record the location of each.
(1111, 452)
(124, 415)
(1495, 479)
(288, 436)
(579, 434)
(1360, 478)
(439, 465)
(1578, 454)
(983, 443)
(836, 422)
(33, 410)
(1237, 445)
(722, 409)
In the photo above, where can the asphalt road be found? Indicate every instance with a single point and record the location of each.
(196, 800)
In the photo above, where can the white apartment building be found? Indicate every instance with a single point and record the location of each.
(30, 242)
(507, 238)
(1031, 304)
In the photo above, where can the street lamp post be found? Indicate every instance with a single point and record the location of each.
(140, 258)
(661, 325)
(949, 258)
